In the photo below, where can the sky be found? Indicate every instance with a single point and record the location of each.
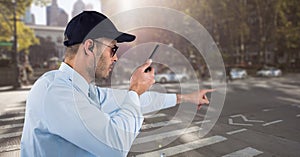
(67, 5)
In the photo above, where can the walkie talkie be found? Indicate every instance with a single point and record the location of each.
(152, 54)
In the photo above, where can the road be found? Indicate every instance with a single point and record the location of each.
(12, 112)
(260, 118)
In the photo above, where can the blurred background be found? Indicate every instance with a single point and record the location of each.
(258, 41)
(250, 34)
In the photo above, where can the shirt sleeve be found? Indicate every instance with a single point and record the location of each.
(153, 101)
(69, 114)
(111, 100)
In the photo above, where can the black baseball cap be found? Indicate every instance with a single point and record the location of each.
(92, 25)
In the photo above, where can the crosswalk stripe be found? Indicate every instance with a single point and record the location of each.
(160, 124)
(297, 101)
(201, 122)
(247, 152)
(159, 136)
(155, 116)
(185, 147)
(12, 118)
(15, 108)
(236, 131)
(10, 148)
(10, 126)
(170, 122)
(9, 135)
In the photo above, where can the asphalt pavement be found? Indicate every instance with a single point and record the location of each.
(259, 118)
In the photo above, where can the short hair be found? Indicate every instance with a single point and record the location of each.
(71, 51)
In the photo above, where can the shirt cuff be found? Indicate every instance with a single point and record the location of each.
(170, 101)
(133, 96)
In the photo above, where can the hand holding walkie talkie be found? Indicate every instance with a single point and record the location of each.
(143, 77)
(152, 54)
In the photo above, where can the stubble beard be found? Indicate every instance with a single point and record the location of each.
(102, 69)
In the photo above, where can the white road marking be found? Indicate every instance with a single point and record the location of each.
(170, 122)
(295, 105)
(9, 135)
(247, 152)
(266, 110)
(189, 137)
(10, 126)
(297, 101)
(172, 90)
(159, 136)
(236, 131)
(9, 148)
(230, 121)
(185, 147)
(15, 108)
(12, 118)
(298, 115)
(261, 85)
(160, 124)
(155, 116)
(247, 120)
(201, 122)
(274, 122)
(14, 105)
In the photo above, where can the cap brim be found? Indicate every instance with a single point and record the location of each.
(118, 36)
(124, 37)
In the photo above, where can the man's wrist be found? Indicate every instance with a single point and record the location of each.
(178, 98)
(130, 89)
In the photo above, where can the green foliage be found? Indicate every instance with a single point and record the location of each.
(241, 26)
(26, 37)
(289, 25)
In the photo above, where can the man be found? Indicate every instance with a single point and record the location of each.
(67, 115)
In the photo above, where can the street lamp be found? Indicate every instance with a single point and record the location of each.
(15, 55)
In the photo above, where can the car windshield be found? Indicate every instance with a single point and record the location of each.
(236, 69)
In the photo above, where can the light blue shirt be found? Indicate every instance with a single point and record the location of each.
(62, 119)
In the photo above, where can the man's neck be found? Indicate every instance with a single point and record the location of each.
(83, 72)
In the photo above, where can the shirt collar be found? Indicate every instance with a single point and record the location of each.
(75, 77)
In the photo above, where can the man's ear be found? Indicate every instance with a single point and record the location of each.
(91, 47)
(88, 46)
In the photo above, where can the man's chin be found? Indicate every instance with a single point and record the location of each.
(102, 76)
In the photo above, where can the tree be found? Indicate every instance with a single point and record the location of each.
(26, 36)
(13, 30)
(288, 32)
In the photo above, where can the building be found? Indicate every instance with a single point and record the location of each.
(55, 15)
(78, 7)
(29, 17)
(52, 35)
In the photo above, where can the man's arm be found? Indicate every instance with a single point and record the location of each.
(198, 97)
(111, 99)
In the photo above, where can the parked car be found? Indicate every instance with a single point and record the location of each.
(237, 73)
(171, 77)
(269, 72)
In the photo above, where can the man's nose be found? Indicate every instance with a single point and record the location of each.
(115, 58)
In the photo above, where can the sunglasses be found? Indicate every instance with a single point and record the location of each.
(114, 48)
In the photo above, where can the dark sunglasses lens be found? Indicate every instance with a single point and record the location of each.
(114, 50)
